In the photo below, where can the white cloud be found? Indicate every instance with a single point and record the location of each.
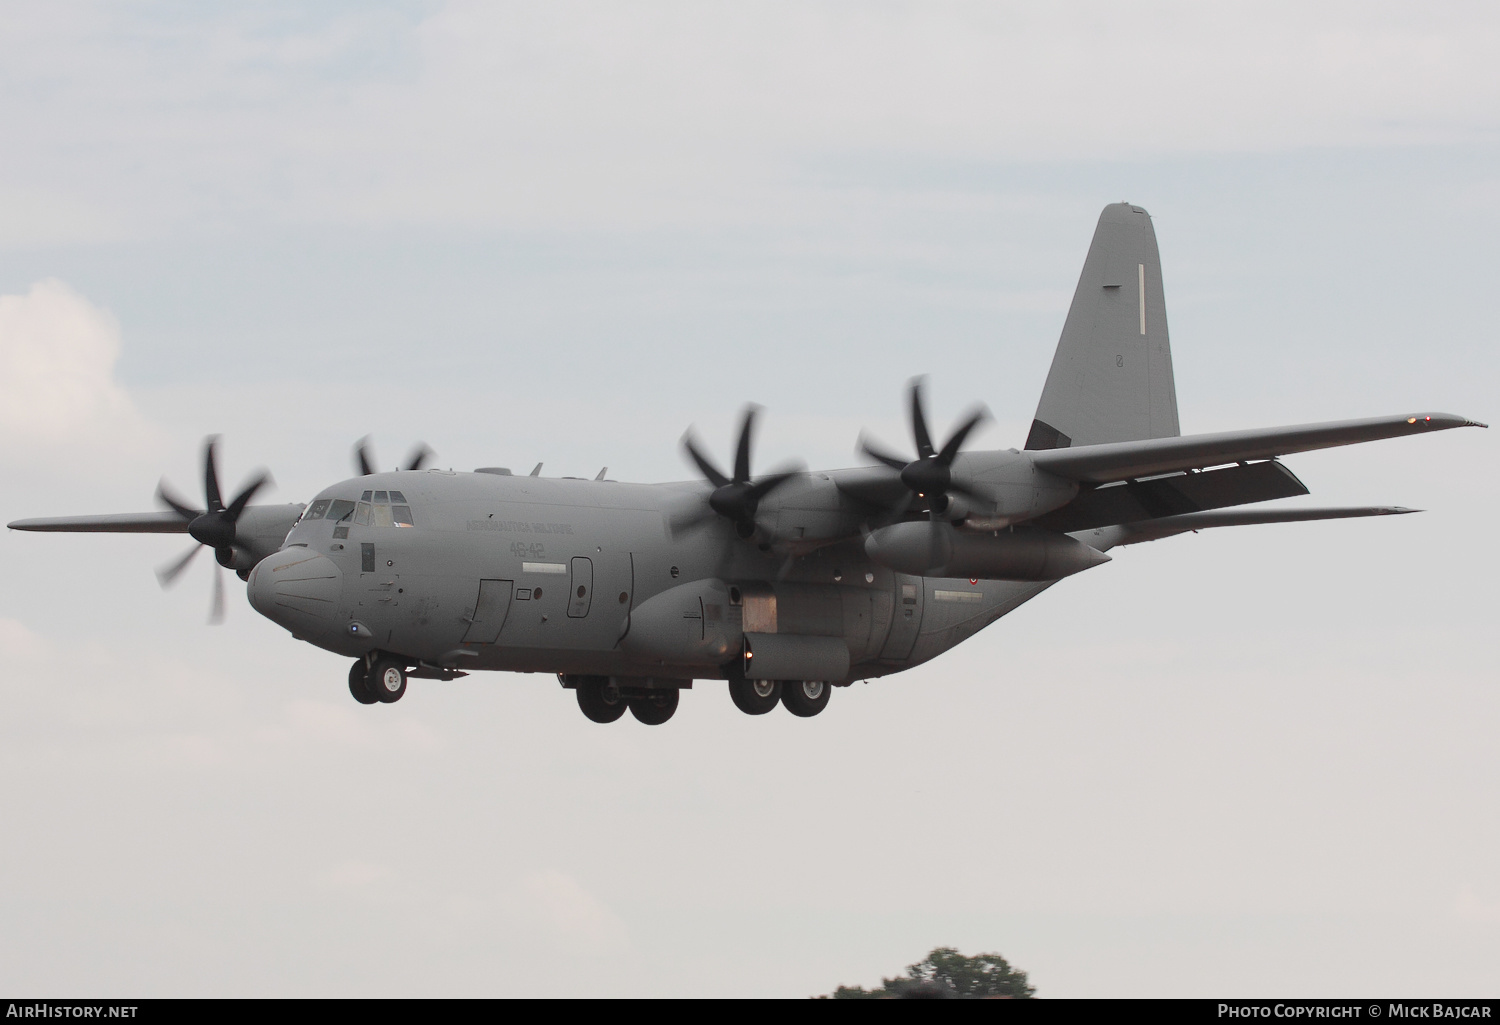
(57, 377)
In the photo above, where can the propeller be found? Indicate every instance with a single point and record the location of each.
(364, 460)
(930, 475)
(212, 526)
(737, 497)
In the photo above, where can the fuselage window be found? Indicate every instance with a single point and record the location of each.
(316, 510)
(397, 498)
(381, 498)
(381, 514)
(365, 497)
(401, 514)
(340, 510)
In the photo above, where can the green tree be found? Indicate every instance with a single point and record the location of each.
(945, 973)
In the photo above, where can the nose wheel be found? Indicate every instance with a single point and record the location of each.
(385, 681)
(359, 683)
(388, 680)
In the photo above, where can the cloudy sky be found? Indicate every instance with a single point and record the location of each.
(1254, 762)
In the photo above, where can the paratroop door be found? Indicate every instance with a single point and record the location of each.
(490, 610)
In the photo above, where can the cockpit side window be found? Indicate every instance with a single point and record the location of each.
(340, 510)
(316, 510)
(362, 513)
(401, 515)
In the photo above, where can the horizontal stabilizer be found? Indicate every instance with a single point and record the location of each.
(1154, 530)
(1101, 464)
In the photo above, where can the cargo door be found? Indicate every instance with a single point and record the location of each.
(490, 610)
(581, 589)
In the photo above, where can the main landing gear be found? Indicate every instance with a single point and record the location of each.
(803, 698)
(383, 681)
(605, 698)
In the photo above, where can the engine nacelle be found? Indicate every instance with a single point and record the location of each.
(1023, 553)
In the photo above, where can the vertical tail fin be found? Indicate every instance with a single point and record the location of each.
(1111, 379)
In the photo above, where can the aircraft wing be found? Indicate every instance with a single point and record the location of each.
(261, 526)
(1125, 460)
(114, 523)
(1166, 526)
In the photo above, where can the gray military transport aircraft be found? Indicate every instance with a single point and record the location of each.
(786, 585)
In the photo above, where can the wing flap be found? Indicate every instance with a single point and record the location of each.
(1102, 464)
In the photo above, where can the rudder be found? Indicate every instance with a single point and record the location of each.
(1111, 377)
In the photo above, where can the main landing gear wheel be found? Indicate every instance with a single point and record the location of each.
(359, 683)
(601, 700)
(655, 708)
(388, 680)
(755, 697)
(805, 698)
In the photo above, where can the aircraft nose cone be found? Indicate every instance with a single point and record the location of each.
(298, 589)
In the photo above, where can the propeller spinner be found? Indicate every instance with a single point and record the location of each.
(212, 526)
(735, 498)
(930, 475)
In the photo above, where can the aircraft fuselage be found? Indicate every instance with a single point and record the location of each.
(566, 576)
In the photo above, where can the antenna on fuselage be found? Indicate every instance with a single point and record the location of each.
(537, 470)
(602, 472)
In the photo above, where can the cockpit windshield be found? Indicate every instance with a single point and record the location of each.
(374, 509)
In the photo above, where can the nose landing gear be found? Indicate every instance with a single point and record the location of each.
(359, 683)
(385, 681)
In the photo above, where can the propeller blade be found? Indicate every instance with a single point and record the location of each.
(769, 483)
(167, 497)
(211, 475)
(919, 421)
(956, 440)
(167, 575)
(880, 456)
(243, 498)
(705, 467)
(216, 610)
(362, 460)
(418, 456)
(742, 450)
